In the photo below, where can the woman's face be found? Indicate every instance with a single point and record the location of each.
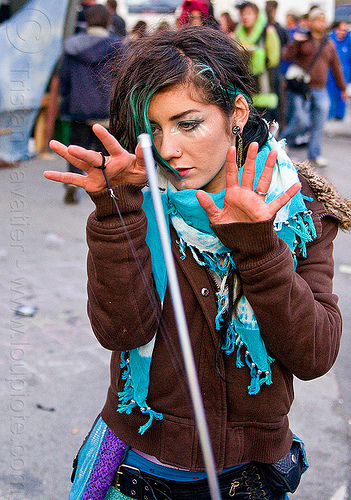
(196, 18)
(223, 23)
(319, 24)
(248, 17)
(341, 30)
(192, 136)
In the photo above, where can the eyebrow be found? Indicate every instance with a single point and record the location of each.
(180, 115)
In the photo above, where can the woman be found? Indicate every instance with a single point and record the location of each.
(226, 23)
(262, 41)
(254, 262)
(196, 13)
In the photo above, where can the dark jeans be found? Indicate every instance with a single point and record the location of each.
(82, 135)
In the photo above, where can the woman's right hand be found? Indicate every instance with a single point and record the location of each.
(121, 166)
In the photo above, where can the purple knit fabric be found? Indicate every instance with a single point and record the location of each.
(110, 457)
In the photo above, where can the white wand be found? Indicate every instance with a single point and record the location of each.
(195, 393)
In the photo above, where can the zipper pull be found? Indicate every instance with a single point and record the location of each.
(233, 487)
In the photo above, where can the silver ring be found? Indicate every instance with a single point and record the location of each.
(260, 193)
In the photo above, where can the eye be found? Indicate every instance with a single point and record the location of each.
(189, 125)
(155, 129)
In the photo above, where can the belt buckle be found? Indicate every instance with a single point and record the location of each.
(120, 472)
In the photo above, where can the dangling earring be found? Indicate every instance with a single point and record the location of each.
(239, 145)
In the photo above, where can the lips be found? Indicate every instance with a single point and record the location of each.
(183, 171)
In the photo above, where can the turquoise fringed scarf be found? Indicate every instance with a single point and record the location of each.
(293, 224)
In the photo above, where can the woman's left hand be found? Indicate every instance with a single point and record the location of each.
(241, 202)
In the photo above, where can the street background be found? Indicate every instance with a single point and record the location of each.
(55, 372)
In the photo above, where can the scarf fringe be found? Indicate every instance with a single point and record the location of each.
(221, 264)
(239, 363)
(303, 229)
(258, 377)
(127, 403)
(152, 414)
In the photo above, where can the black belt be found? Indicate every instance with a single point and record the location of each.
(142, 486)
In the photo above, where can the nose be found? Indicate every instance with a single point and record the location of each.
(169, 146)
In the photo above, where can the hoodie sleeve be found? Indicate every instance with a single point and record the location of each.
(123, 305)
(297, 311)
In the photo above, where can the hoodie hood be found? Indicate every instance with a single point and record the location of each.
(90, 48)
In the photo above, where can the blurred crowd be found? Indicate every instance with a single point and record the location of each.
(302, 69)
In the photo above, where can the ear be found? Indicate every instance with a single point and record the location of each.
(241, 111)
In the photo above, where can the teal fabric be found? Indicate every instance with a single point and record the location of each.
(87, 458)
(293, 223)
(114, 494)
(169, 473)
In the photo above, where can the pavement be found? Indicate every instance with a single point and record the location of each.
(55, 372)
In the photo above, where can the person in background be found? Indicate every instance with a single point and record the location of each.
(342, 40)
(196, 13)
(304, 23)
(5, 10)
(271, 11)
(276, 73)
(292, 22)
(85, 82)
(287, 101)
(81, 23)
(163, 26)
(117, 24)
(263, 44)
(227, 23)
(139, 30)
(311, 114)
(292, 25)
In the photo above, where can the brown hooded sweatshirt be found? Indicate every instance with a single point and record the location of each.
(296, 311)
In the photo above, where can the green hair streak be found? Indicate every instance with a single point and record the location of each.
(231, 91)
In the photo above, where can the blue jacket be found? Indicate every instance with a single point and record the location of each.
(85, 76)
(343, 48)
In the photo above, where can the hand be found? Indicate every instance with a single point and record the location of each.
(344, 95)
(121, 166)
(241, 202)
(300, 36)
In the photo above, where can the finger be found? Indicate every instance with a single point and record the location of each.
(232, 178)
(58, 148)
(62, 150)
(207, 203)
(66, 177)
(139, 157)
(90, 158)
(283, 199)
(249, 169)
(266, 177)
(108, 140)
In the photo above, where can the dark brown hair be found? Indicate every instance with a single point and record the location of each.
(230, 21)
(251, 5)
(202, 56)
(97, 15)
(112, 4)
